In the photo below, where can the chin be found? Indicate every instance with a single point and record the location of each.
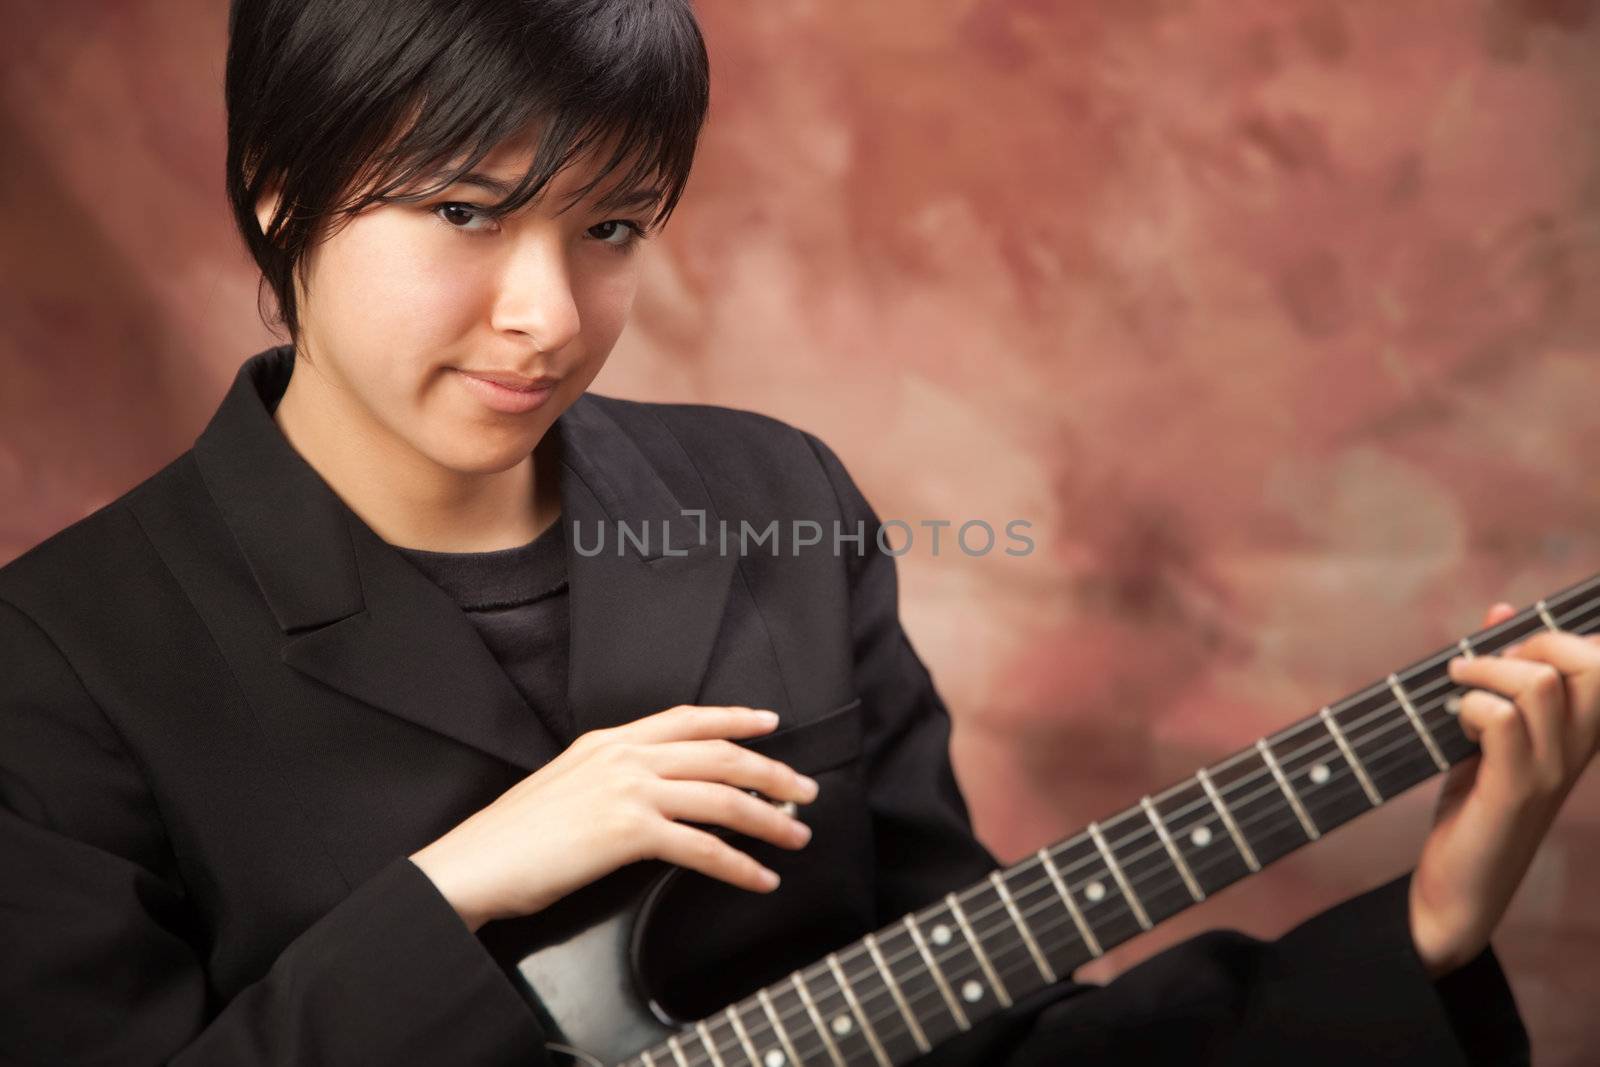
(484, 459)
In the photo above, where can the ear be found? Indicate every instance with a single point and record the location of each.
(267, 205)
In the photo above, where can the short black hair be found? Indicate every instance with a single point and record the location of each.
(338, 104)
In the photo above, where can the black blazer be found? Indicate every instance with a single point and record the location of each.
(229, 711)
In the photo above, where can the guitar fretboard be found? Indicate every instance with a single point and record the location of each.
(903, 989)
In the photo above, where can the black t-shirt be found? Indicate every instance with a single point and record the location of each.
(517, 599)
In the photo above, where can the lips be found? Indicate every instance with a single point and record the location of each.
(512, 381)
(529, 395)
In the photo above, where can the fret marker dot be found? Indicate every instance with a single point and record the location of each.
(841, 1024)
(773, 1058)
(1201, 836)
(971, 991)
(941, 934)
(1452, 703)
(1095, 892)
(1320, 773)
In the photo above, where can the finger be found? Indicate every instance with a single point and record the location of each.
(724, 761)
(1458, 783)
(1498, 614)
(1536, 692)
(1497, 726)
(1569, 653)
(723, 805)
(1578, 658)
(689, 722)
(690, 847)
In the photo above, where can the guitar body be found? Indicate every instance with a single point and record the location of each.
(589, 988)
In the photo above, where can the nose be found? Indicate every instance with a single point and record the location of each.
(535, 297)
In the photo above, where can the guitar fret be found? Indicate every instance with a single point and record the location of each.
(1350, 756)
(1200, 836)
(711, 1046)
(816, 1019)
(834, 1005)
(1283, 783)
(938, 974)
(1260, 807)
(1116, 872)
(1089, 940)
(1438, 703)
(1416, 720)
(1384, 740)
(646, 1059)
(1047, 922)
(1544, 613)
(1227, 820)
(1022, 927)
(1172, 850)
(977, 950)
(855, 1008)
(899, 997)
(1315, 766)
(1088, 880)
(677, 1052)
(1146, 866)
(744, 1038)
(777, 1026)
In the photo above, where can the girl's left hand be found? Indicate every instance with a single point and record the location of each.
(1495, 808)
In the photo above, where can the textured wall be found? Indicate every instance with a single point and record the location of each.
(1276, 318)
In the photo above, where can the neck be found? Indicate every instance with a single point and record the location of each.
(403, 495)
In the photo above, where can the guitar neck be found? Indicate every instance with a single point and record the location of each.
(902, 990)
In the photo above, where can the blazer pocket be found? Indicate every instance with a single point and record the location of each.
(831, 740)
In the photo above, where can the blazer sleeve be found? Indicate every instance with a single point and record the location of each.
(1343, 985)
(104, 961)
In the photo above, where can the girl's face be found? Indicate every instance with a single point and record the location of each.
(406, 302)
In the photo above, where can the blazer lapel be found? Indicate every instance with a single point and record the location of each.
(360, 619)
(411, 651)
(646, 607)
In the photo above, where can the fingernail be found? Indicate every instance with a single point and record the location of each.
(1455, 665)
(769, 718)
(802, 832)
(809, 786)
(769, 878)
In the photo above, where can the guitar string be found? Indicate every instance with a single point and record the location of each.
(969, 968)
(1378, 764)
(1147, 887)
(1325, 748)
(1024, 965)
(1013, 960)
(958, 965)
(1375, 762)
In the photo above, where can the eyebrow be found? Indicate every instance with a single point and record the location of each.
(502, 189)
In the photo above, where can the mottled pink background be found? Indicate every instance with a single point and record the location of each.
(1276, 318)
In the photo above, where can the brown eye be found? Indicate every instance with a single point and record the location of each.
(630, 232)
(461, 216)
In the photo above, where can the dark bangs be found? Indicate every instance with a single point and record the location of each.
(341, 104)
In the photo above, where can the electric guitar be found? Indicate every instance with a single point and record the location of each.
(901, 990)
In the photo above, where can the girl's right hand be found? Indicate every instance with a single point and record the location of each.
(615, 796)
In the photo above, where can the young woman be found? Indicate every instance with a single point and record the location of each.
(303, 739)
